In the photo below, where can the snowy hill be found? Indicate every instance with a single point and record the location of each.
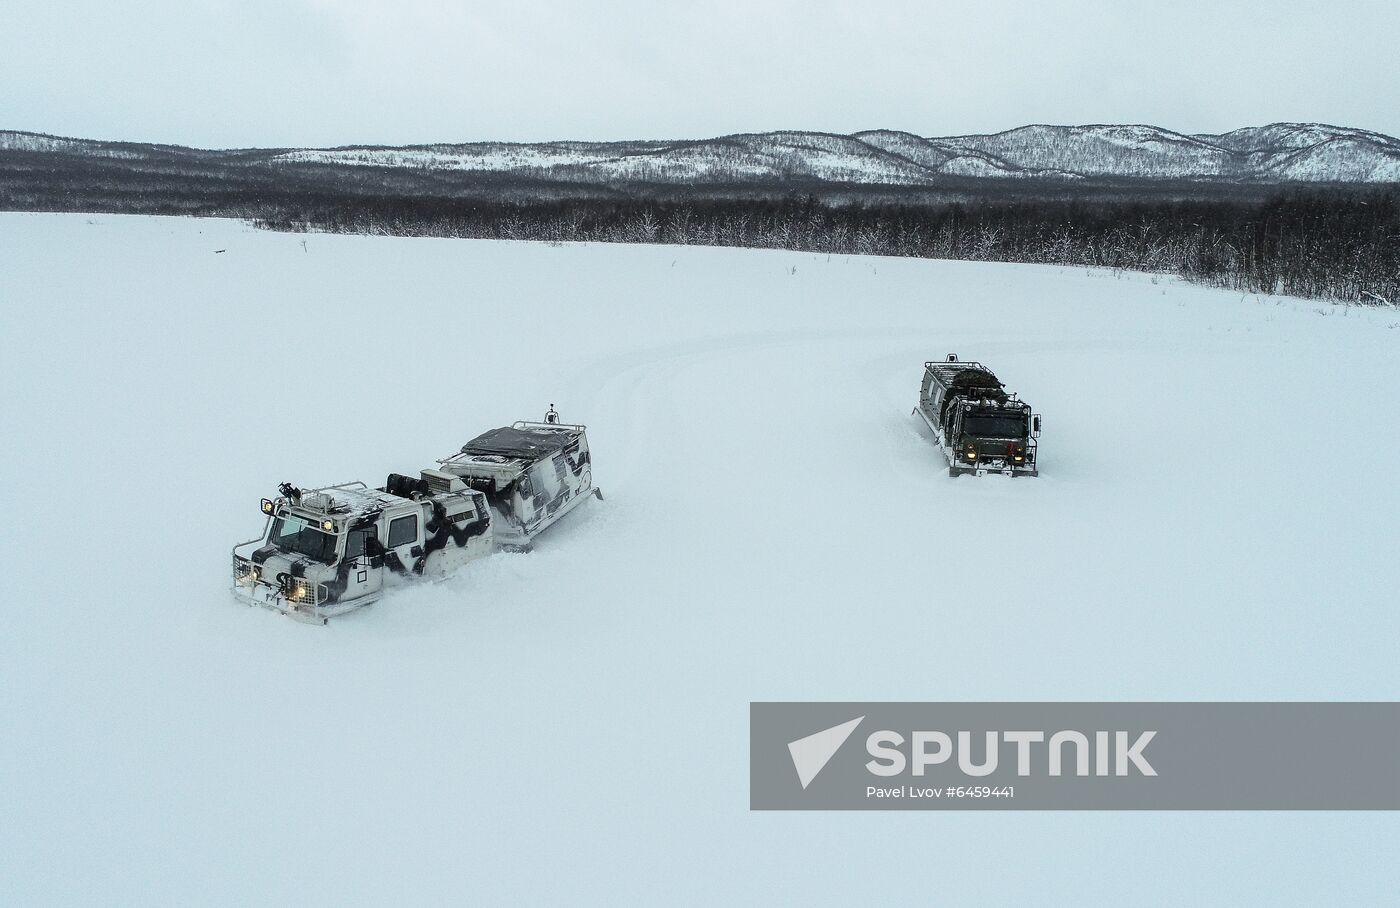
(738, 158)
(1281, 152)
(1278, 153)
(1214, 520)
(1121, 151)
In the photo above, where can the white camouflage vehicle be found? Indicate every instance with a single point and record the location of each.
(328, 551)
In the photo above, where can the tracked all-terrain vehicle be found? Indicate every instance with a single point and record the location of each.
(328, 551)
(979, 425)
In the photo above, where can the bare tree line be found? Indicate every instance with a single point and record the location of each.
(1339, 242)
(1321, 244)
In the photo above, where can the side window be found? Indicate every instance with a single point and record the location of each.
(355, 542)
(403, 530)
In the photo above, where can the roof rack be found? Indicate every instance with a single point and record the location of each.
(946, 372)
(550, 426)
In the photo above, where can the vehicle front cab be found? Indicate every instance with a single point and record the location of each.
(318, 556)
(997, 438)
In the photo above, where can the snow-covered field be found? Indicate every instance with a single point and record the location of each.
(1215, 519)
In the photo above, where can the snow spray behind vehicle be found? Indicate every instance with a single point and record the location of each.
(328, 551)
(980, 427)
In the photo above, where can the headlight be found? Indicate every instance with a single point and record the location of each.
(971, 454)
(266, 506)
(244, 571)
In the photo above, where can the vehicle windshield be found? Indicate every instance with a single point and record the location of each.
(296, 535)
(995, 425)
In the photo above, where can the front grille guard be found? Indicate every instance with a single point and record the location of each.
(294, 596)
(995, 455)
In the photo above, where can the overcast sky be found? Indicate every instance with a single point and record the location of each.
(230, 73)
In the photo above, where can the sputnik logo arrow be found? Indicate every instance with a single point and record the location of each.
(811, 754)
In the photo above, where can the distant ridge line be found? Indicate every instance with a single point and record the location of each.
(1275, 153)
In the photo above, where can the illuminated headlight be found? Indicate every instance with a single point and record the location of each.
(266, 506)
(328, 526)
(244, 571)
(971, 454)
(1019, 457)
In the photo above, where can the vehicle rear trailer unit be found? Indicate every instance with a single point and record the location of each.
(532, 473)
